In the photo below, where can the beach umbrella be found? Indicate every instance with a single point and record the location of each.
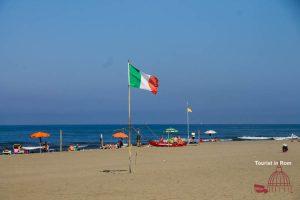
(170, 130)
(210, 132)
(120, 135)
(40, 135)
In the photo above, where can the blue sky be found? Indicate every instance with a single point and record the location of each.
(66, 61)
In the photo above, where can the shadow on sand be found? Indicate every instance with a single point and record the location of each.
(114, 171)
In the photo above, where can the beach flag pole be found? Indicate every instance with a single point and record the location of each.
(129, 120)
(187, 122)
(141, 80)
(188, 110)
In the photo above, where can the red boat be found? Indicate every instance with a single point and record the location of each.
(157, 143)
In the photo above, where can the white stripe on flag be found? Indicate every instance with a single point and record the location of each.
(144, 81)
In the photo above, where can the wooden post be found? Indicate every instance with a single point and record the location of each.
(60, 140)
(40, 145)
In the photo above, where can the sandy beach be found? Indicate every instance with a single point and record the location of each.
(223, 170)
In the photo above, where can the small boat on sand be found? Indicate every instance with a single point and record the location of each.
(157, 143)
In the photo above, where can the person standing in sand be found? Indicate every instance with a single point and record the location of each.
(138, 139)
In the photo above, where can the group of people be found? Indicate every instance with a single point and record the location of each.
(18, 149)
(175, 140)
(119, 144)
(73, 147)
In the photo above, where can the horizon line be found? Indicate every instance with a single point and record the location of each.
(94, 124)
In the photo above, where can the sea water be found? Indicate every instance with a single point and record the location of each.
(90, 134)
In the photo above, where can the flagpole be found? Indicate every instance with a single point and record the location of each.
(129, 120)
(187, 122)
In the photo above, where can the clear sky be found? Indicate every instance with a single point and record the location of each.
(66, 61)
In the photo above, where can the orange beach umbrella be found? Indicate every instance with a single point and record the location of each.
(39, 135)
(120, 135)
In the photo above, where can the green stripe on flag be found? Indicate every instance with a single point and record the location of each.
(134, 77)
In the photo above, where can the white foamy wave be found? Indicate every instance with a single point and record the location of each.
(225, 140)
(292, 137)
(254, 138)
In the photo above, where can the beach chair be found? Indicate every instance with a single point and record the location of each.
(81, 147)
(6, 152)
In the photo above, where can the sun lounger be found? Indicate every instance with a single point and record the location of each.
(32, 148)
(6, 152)
(81, 147)
(110, 146)
(28, 149)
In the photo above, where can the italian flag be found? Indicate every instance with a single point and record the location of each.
(138, 79)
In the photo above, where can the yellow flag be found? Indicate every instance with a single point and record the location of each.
(189, 109)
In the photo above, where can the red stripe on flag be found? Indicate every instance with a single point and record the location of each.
(153, 84)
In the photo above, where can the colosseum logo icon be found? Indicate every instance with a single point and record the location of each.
(279, 181)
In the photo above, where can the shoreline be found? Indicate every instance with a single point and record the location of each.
(92, 147)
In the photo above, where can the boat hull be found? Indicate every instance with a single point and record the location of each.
(166, 144)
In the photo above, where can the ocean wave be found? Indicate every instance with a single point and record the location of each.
(255, 138)
(226, 140)
(293, 136)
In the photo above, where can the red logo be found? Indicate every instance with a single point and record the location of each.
(279, 181)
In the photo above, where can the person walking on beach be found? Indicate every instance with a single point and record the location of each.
(101, 141)
(138, 139)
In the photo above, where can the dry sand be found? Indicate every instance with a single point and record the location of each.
(207, 171)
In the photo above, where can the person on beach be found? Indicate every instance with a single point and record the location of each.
(101, 142)
(138, 139)
(161, 139)
(71, 148)
(120, 143)
(180, 141)
(193, 137)
(45, 147)
(6, 151)
(285, 148)
(175, 139)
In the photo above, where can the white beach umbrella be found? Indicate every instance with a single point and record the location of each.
(210, 132)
